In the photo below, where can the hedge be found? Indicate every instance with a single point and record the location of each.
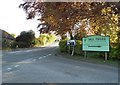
(64, 48)
(62, 45)
(113, 54)
(78, 47)
(6, 43)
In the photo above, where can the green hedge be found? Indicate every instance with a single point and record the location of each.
(113, 54)
(14, 45)
(78, 47)
(62, 45)
(64, 48)
(6, 43)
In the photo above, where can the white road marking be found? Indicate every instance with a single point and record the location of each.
(8, 69)
(15, 52)
(32, 50)
(34, 59)
(24, 51)
(16, 66)
(26, 61)
(40, 58)
(44, 56)
(49, 54)
(28, 51)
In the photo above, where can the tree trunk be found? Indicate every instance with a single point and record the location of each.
(71, 36)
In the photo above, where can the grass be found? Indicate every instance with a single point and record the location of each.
(90, 58)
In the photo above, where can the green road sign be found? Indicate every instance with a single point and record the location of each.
(95, 43)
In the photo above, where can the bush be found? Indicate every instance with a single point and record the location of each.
(23, 45)
(43, 39)
(14, 45)
(115, 52)
(63, 45)
(64, 48)
(51, 38)
(78, 47)
(37, 42)
(6, 43)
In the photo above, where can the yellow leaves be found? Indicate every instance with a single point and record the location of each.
(113, 37)
(103, 11)
(114, 17)
(106, 10)
(109, 9)
(114, 28)
(103, 3)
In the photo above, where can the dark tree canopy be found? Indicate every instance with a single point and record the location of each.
(25, 39)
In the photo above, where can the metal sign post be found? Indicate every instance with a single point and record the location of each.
(69, 49)
(71, 43)
(85, 54)
(105, 55)
(72, 51)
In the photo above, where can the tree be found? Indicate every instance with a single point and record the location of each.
(62, 16)
(26, 39)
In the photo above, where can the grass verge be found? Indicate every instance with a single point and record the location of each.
(89, 59)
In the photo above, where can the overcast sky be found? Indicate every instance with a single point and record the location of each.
(13, 19)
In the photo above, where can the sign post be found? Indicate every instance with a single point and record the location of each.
(96, 43)
(71, 43)
(105, 55)
(85, 54)
(72, 51)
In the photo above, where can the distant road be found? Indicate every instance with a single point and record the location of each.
(41, 65)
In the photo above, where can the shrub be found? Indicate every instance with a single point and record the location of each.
(78, 47)
(14, 45)
(115, 52)
(62, 45)
(64, 48)
(51, 38)
(6, 43)
(23, 44)
(37, 42)
(42, 40)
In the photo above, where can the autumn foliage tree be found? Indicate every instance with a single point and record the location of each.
(62, 17)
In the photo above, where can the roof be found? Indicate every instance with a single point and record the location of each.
(6, 35)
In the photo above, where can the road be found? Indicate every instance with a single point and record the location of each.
(41, 65)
